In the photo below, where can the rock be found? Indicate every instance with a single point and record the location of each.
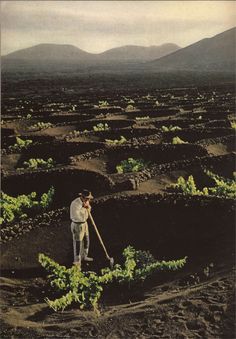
(215, 307)
(182, 336)
(194, 324)
(131, 184)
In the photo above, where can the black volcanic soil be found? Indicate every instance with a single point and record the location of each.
(195, 302)
(165, 311)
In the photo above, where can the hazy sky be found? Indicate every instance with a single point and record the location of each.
(96, 26)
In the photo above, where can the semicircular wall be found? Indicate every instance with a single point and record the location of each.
(171, 226)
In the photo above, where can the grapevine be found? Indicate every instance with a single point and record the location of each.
(85, 288)
(142, 118)
(20, 144)
(101, 127)
(170, 128)
(38, 163)
(41, 125)
(102, 104)
(131, 165)
(225, 188)
(120, 141)
(18, 207)
(178, 141)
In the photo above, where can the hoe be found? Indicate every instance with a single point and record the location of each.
(111, 260)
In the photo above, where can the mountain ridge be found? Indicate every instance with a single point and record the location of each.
(50, 51)
(215, 53)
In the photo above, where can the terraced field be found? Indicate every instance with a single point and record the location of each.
(87, 134)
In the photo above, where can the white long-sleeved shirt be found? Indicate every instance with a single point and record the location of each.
(77, 212)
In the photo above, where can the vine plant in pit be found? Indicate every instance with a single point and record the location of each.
(103, 104)
(120, 141)
(178, 141)
(225, 188)
(38, 163)
(101, 127)
(142, 118)
(41, 125)
(170, 128)
(130, 108)
(20, 145)
(85, 288)
(131, 165)
(233, 124)
(76, 133)
(17, 208)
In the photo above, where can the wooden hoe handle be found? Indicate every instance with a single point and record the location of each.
(99, 237)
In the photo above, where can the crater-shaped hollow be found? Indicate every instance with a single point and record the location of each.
(169, 227)
(195, 134)
(68, 182)
(108, 159)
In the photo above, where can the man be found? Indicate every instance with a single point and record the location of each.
(79, 213)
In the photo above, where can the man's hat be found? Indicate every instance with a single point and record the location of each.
(86, 194)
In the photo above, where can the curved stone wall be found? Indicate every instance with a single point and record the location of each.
(169, 226)
(68, 182)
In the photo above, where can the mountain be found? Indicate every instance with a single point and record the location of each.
(137, 53)
(53, 56)
(49, 52)
(210, 54)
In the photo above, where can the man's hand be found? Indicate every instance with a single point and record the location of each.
(87, 205)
